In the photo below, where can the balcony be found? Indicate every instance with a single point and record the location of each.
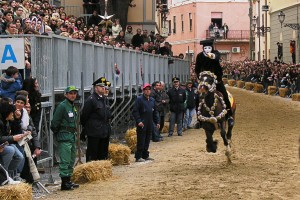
(232, 35)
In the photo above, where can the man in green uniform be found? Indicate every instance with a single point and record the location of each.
(64, 126)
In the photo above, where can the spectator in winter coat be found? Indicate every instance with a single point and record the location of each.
(144, 116)
(137, 39)
(190, 105)
(177, 98)
(10, 82)
(10, 157)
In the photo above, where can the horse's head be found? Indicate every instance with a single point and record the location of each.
(207, 83)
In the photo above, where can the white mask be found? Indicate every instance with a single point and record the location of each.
(207, 49)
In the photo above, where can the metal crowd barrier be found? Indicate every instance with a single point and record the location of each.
(58, 61)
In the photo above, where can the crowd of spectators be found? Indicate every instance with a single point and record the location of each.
(266, 72)
(40, 18)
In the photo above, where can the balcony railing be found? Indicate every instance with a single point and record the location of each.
(231, 35)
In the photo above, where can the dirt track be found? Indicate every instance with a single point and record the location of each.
(265, 160)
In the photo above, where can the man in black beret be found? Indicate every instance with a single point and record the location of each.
(209, 60)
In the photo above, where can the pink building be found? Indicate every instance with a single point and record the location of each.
(189, 22)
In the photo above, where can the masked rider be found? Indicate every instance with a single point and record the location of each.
(209, 60)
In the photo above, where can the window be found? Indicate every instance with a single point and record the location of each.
(191, 21)
(216, 19)
(182, 27)
(169, 26)
(174, 24)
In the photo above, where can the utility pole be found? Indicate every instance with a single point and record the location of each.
(258, 25)
(251, 32)
(266, 33)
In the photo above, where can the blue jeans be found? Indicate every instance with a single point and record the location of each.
(188, 117)
(20, 152)
(175, 118)
(11, 158)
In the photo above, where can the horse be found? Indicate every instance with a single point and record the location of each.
(212, 113)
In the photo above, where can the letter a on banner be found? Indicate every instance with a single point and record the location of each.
(8, 54)
(12, 53)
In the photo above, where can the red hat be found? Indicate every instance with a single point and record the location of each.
(146, 85)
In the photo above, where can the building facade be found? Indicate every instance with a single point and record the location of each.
(189, 23)
(261, 29)
(289, 31)
(145, 14)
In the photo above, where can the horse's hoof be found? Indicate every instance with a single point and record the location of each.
(228, 154)
(210, 150)
(229, 142)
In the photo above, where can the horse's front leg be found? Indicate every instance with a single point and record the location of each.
(223, 135)
(211, 145)
(223, 132)
(229, 133)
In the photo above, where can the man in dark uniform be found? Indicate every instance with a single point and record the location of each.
(94, 118)
(177, 97)
(144, 116)
(209, 60)
(64, 126)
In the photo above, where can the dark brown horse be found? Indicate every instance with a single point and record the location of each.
(212, 113)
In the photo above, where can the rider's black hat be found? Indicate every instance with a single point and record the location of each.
(208, 42)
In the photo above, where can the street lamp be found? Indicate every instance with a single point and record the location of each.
(260, 29)
(281, 18)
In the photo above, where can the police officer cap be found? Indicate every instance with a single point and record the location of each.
(71, 88)
(100, 82)
(174, 79)
(189, 82)
(209, 42)
(107, 84)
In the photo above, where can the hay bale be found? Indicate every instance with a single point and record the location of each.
(92, 171)
(272, 90)
(119, 154)
(20, 191)
(225, 81)
(283, 92)
(131, 140)
(240, 84)
(296, 97)
(231, 82)
(258, 88)
(249, 86)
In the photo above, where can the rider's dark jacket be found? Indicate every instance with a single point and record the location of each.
(204, 63)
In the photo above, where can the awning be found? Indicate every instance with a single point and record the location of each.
(224, 51)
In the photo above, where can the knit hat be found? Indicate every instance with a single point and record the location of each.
(22, 98)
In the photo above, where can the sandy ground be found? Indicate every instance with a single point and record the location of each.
(265, 160)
